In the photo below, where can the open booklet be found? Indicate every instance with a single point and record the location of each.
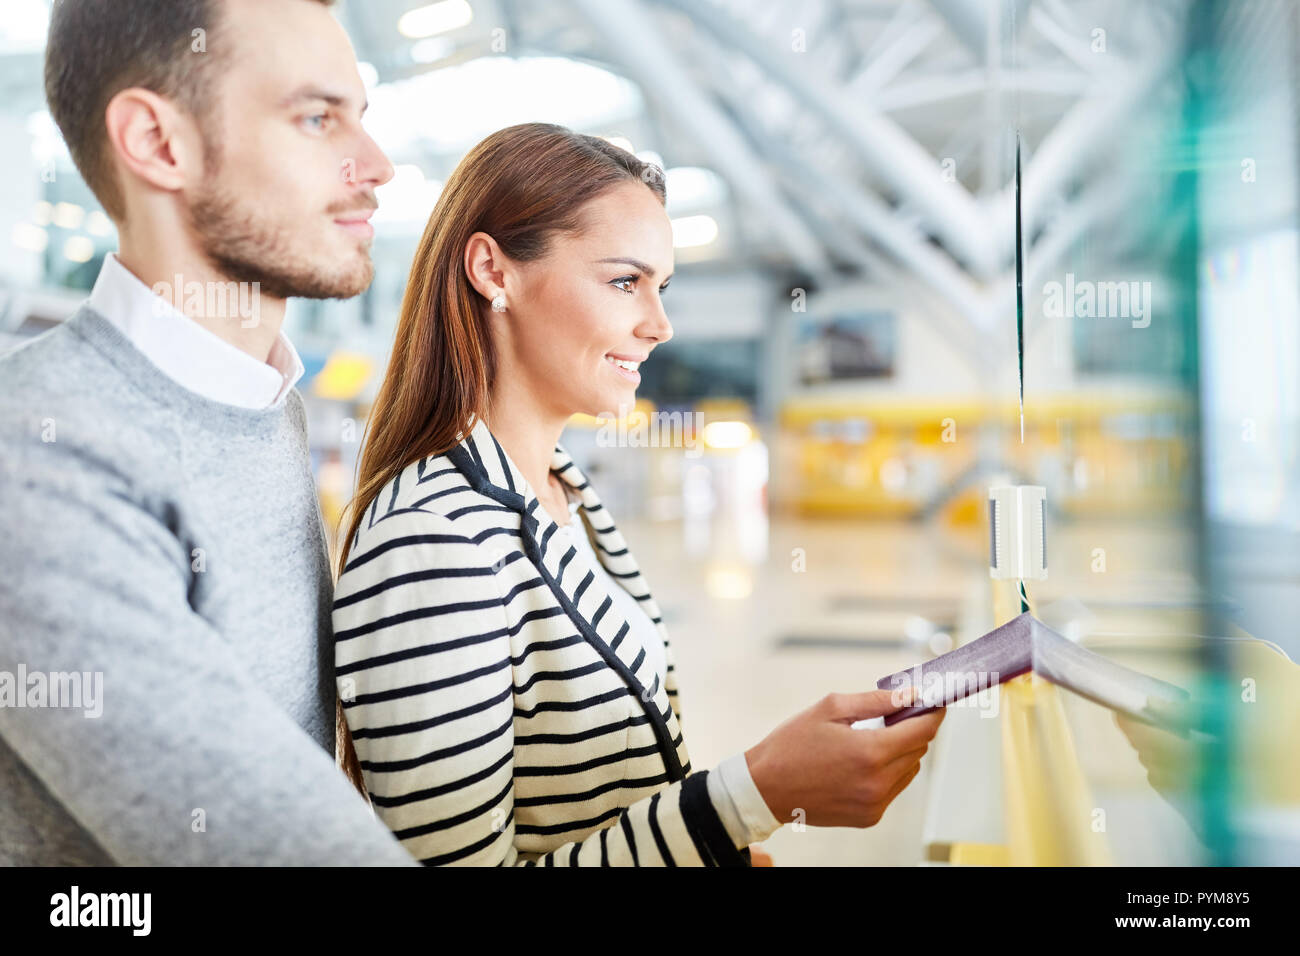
(1026, 644)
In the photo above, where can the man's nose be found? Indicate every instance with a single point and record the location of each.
(372, 166)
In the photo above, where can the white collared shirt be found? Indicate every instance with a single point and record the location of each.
(188, 353)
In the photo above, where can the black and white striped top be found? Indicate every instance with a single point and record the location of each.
(501, 712)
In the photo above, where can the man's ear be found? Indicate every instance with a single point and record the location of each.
(151, 140)
(487, 267)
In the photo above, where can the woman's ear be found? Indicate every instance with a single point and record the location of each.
(487, 267)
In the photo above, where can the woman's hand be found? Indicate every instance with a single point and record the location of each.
(1172, 764)
(818, 770)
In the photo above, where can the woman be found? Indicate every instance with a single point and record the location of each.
(504, 674)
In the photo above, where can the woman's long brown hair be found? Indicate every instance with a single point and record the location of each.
(521, 185)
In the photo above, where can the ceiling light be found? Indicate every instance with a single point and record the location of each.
(78, 249)
(68, 215)
(691, 188)
(435, 18)
(727, 434)
(694, 231)
(97, 224)
(29, 237)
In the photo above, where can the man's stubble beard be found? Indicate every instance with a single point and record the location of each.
(246, 247)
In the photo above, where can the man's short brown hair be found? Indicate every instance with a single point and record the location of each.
(97, 48)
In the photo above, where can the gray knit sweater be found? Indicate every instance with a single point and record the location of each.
(166, 663)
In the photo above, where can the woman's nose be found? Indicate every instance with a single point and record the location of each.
(658, 327)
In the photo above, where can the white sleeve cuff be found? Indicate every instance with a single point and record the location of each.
(741, 807)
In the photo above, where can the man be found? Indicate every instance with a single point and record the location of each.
(167, 691)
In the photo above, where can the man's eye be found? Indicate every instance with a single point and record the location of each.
(316, 122)
(630, 280)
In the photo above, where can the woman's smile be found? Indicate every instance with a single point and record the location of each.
(625, 367)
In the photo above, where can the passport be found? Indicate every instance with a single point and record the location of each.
(1026, 644)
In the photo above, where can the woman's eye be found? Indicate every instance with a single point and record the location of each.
(629, 280)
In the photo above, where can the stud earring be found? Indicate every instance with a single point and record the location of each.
(499, 303)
